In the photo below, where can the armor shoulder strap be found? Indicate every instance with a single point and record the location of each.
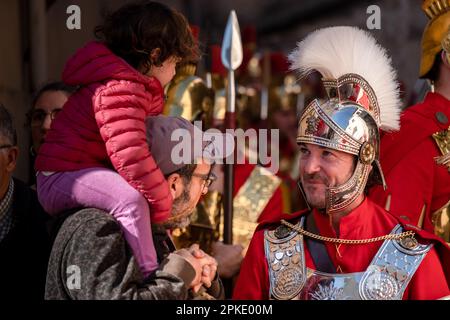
(392, 268)
(286, 261)
(317, 248)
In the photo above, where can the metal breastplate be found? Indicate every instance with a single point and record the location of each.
(386, 278)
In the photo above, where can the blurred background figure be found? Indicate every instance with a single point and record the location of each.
(46, 104)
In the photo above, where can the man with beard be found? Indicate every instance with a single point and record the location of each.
(91, 259)
(345, 246)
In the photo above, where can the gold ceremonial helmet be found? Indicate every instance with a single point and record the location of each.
(438, 11)
(284, 96)
(189, 97)
(283, 87)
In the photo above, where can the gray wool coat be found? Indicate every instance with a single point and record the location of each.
(91, 260)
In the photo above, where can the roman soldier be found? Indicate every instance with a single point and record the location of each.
(345, 246)
(416, 159)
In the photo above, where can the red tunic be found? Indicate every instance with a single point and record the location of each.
(367, 221)
(407, 159)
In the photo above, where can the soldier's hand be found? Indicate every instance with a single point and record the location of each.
(229, 258)
(209, 269)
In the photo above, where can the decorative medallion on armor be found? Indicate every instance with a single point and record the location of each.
(442, 139)
(386, 278)
(392, 268)
(363, 98)
(250, 201)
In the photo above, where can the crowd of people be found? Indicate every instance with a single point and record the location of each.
(359, 208)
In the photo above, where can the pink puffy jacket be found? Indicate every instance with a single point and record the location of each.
(103, 124)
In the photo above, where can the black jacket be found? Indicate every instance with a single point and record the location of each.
(25, 250)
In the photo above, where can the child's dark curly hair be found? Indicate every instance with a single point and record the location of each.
(135, 30)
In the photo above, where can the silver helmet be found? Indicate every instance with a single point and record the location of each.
(363, 97)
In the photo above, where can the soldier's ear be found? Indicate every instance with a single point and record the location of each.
(445, 58)
(176, 185)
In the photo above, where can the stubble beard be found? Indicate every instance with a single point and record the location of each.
(315, 198)
(180, 216)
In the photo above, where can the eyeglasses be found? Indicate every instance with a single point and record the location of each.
(208, 178)
(38, 116)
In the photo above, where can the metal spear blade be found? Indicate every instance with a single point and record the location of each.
(232, 45)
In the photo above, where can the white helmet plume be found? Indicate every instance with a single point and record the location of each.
(337, 51)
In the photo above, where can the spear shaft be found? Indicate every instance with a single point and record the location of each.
(231, 58)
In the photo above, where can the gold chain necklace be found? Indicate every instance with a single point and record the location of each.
(302, 231)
